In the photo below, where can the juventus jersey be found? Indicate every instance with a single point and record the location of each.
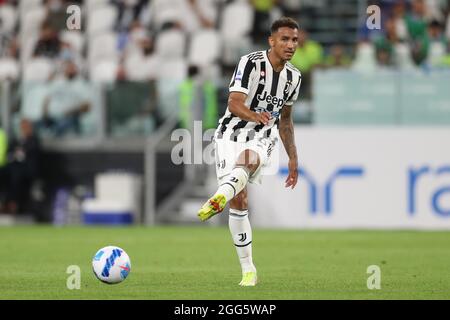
(266, 90)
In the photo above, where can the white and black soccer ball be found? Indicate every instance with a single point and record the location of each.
(111, 264)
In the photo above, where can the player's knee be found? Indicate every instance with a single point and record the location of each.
(240, 202)
(249, 159)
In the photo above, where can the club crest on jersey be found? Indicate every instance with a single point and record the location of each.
(288, 86)
(271, 99)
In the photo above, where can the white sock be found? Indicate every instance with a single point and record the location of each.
(234, 183)
(241, 232)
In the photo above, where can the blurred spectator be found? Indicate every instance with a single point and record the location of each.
(262, 19)
(385, 44)
(415, 20)
(290, 8)
(68, 100)
(436, 10)
(417, 29)
(436, 43)
(128, 12)
(21, 169)
(9, 66)
(165, 13)
(141, 64)
(130, 39)
(445, 62)
(48, 44)
(198, 100)
(198, 14)
(3, 147)
(56, 14)
(337, 58)
(307, 56)
(398, 15)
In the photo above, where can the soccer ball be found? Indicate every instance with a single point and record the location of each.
(111, 264)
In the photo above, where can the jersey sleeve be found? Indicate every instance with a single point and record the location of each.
(243, 76)
(294, 95)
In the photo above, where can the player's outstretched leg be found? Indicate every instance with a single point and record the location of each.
(231, 186)
(247, 163)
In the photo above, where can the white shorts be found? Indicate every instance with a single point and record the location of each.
(227, 152)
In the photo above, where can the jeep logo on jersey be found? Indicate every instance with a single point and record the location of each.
(270, 99)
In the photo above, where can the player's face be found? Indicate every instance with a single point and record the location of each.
(284, 42)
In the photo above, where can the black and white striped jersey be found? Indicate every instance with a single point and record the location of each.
(266, 90)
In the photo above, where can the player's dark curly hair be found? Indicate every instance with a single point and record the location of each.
(283, 22)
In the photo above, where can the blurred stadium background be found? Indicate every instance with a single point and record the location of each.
(87, 138)
(87, 115)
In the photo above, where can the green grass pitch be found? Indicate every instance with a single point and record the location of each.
(201, 263)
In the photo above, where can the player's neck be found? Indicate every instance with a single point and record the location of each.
(276, 62)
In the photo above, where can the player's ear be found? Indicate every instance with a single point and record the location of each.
(271, 41)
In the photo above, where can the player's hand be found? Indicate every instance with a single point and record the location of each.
(262, 118)
(291, 180)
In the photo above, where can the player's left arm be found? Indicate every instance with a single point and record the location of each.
(286, 130)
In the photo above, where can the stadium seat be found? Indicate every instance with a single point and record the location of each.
(232, 27)
(102, 47)
(74, 38)
(365, 58)
(104, 71)
(117, 199)
(204, 48)
(171, 44)
(31, 21)
(33, 97)
(235, 32)
(9, 69)
(171, 74)
(447, 30)
(91, 5)
(174, 69)
(28, 44)
(27, 5)
(141, 68)
(8, 18)
(436, 53)
(403, 56)
(164, 11)
(101, 19)
(38, 70)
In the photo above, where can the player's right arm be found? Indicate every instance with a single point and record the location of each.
(241, 82)
(236, 105)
